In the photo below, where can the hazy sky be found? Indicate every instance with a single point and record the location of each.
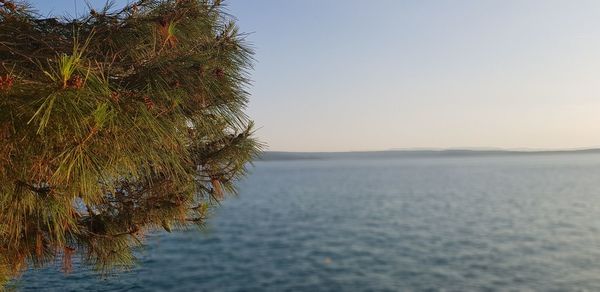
(375, 75)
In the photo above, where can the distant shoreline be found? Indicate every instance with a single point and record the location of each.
(283, 155)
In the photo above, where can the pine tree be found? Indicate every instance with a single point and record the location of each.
(116, 124)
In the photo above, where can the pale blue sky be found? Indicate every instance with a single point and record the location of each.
(374, 75)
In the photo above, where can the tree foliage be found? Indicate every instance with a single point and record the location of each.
(116, 124)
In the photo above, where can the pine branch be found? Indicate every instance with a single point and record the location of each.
(116, 124)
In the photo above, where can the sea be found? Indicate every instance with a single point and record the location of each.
(380, 223)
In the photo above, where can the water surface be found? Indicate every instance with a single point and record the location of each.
(443, 223)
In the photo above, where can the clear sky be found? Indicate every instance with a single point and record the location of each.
(375, 75)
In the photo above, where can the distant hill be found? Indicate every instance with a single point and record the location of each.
(280, 155)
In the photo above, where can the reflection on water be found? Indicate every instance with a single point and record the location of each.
(469, 223)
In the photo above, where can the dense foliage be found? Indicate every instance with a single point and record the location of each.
(116, 124)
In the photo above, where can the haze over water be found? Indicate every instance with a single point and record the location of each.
(482, 223)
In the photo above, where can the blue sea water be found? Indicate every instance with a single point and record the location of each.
(412, 224)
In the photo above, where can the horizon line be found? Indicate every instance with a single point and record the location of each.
(440, 149)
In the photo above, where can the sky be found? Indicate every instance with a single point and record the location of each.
(352, 75)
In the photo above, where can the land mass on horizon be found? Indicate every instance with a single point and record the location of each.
(413, 153)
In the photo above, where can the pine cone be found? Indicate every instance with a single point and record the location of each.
(219, 73)
(10, 6)
(6, 82)
(134, 9)
(149, 103)
(76, 82)
(217, 188)
(115, 96)
(68, 259)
